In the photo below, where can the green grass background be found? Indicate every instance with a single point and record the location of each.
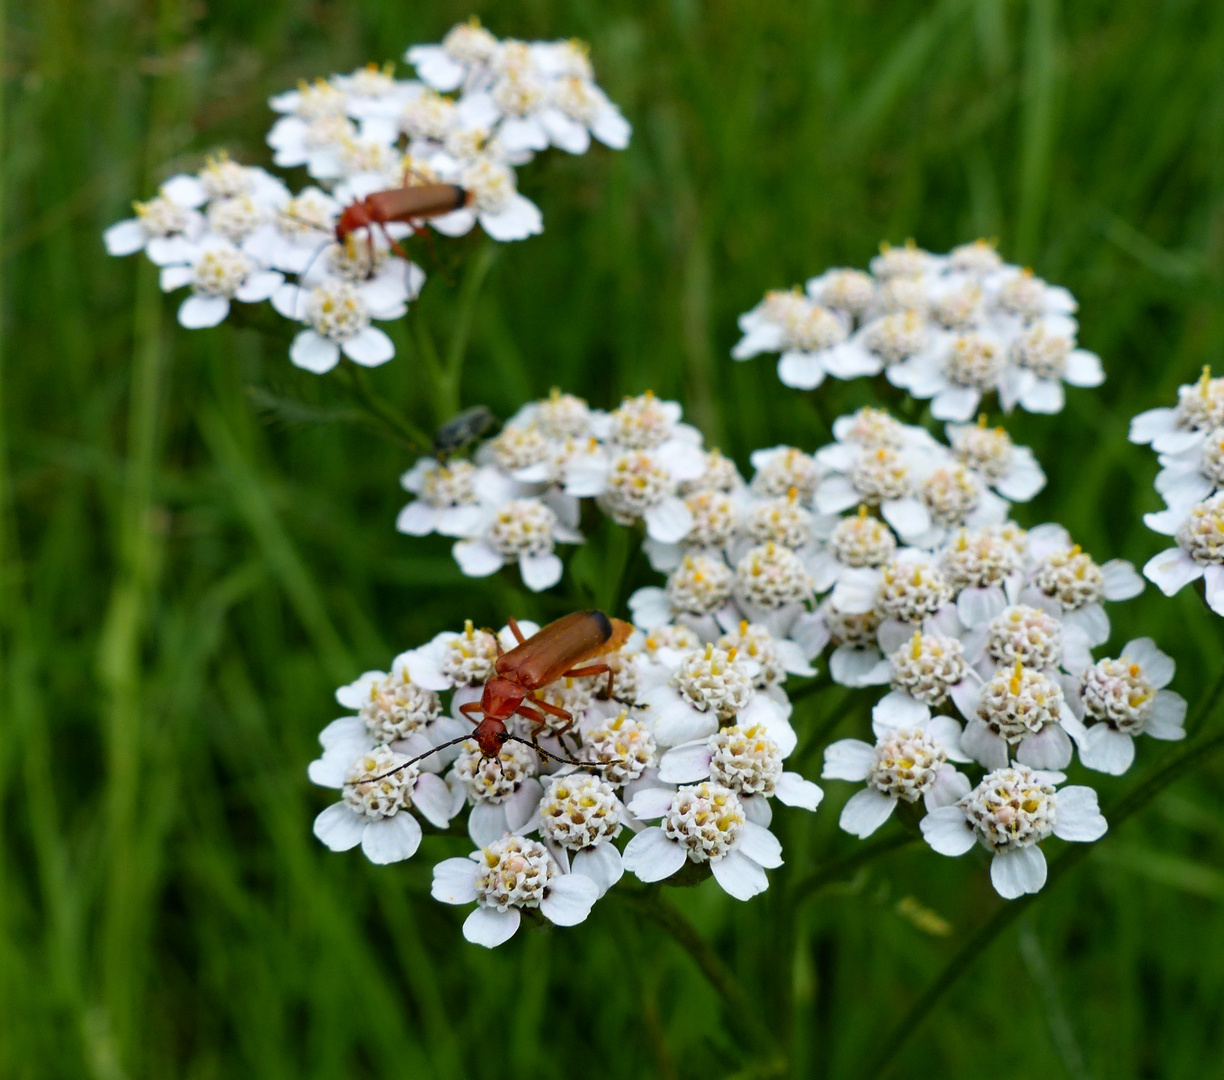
(184, 580)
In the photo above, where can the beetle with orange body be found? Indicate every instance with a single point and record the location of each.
(569, 647)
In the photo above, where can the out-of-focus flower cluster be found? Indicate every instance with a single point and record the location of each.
(1189, 441)
(952, 328)
(479, 108)
(670, 758)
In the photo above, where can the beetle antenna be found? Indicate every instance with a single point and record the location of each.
(413, 761)
(302, 276)
(564, 760)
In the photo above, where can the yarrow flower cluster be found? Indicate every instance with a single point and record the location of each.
(696, 735)
(951, 328)
(1189, 441)
(889, 548)
(479, 108)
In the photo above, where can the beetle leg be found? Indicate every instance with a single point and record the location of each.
(471, 709)
(590, 669)
(394, 244)
(514, 629)
(535, 717)
(557, 711)
(598, 669)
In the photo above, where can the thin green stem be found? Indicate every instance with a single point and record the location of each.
(403, 428)
(1181, 763)
(669, 918)
(850, 865)
(469, 294)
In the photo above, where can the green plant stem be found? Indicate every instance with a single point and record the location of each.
(469, 294)
(401, 427)
(847, 867)
(1181, 763)
(669, 918)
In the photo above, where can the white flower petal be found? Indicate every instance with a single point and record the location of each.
(432, 798)
(651, 856)
(339, 827)
(476, 558)
(794, 790)
(601, 863)
(947, 831)
(519, 219)
(540, 572)
(865, 812)
(847, 759)
(201, 312)
(977, 606)
(669, 522)
(801, 370)
(454, 881)
(487, 823)
(489, 927)
(908, 516)
(1104, 750)
(1158, 667)
(897, 709)
(1171, 570)
(651, 802)
(368, 347)
(392, 839)
(685, 764)
(124, 237)
(761, 846)
(1017, 871)
(569, 898)
(313, 352)
(1050, 748)
(983, 745)
(1167, 720)
(739, 875)
(1077, 815)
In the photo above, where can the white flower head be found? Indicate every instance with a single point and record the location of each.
(1009, 813)
(622, 746)
(747, 761)
(908, 261)
(846, 292)
(1010, 469)
(165, 227)
(702, 823)
(218, 272)
(525, 531)
(878, 476)
(1199, 410)
(1042, 357)
(781, 520)
(1020, 712)
(633, 485)
(907, 763)
(1199, 532)
(783, 469)
(337, 314)
(806, 334)
(956, 376)
(911, 590)
(929, 667)
(1117, 700)
(449, 497)
(377, 798)
(507, 876)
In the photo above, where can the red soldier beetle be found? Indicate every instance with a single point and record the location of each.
(562, 649)
(402, 204)
(406, 204)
